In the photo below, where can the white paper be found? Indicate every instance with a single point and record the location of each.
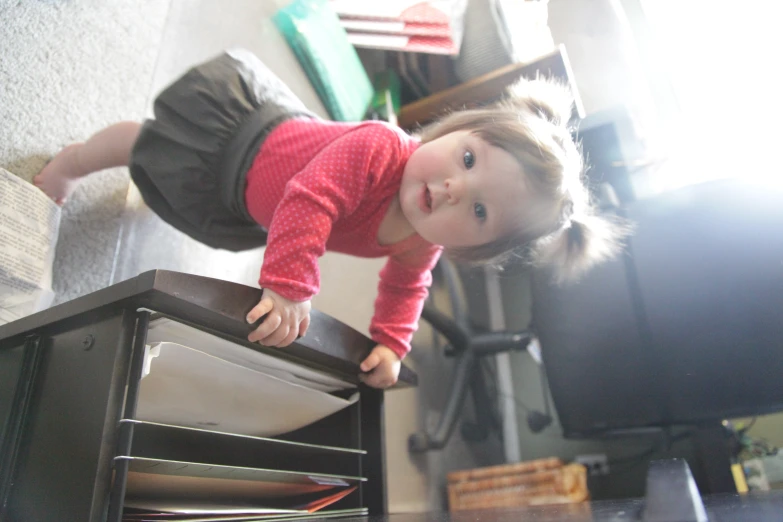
(29, 226)
(167, 330)
(372, 26)
(380, 41)
(188, 387)
(393, 10)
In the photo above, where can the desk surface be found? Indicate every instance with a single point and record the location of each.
(219, 307)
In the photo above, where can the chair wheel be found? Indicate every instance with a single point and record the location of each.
(473, 432)
(418, 443)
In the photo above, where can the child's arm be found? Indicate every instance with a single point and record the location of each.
(402, 289)
(328, 189)
(286, 320)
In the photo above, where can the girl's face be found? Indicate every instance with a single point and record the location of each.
(459, 191)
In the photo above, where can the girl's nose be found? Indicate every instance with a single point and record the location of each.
(454, 190)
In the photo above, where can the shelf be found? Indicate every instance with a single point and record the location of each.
(161, 441)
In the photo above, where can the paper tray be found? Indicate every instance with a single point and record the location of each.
(165, 329)
(319, 515)
(160, 441)
(169, 479)
(192, 388)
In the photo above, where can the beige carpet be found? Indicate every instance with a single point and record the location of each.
(67, 69)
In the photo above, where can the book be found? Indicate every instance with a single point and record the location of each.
(413, 43)
(321, 45)
(29, 228)
(429, 26)
(441, 12)
(395, 27)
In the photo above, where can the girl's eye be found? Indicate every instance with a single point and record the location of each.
(480, 211)
(468, 159)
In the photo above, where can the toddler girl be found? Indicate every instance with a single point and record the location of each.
(234, 160)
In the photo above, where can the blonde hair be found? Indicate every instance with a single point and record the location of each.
(562, 228)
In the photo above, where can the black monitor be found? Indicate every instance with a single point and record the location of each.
(686, 327)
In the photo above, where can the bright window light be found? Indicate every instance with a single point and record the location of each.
(723, 60)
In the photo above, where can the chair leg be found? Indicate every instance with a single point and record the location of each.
(422, 441)
(440, 322)
(486, 419)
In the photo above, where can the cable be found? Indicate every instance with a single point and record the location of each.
(742, 431)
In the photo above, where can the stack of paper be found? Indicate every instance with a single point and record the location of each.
(430, 26)
(201, 449)
(191, 510)
(199, 380)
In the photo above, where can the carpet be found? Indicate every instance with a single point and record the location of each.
(68, 69)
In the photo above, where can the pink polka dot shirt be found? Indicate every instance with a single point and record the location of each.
(319, 185)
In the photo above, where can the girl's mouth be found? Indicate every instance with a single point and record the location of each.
(425, 200)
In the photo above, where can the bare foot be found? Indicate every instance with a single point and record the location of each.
(60, 177)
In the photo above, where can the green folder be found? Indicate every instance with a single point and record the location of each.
(314, 33)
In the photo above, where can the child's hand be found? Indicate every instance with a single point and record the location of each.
(286, 321)
(381, 368)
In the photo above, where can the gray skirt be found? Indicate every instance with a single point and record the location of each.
(190, 162)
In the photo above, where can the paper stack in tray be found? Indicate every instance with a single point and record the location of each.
(203, 450)
(199, 380)
(430, 26)
(532, 483)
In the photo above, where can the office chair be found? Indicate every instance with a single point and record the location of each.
(469, 345)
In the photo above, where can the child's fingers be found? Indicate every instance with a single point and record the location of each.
(370, 362)
(265, 329)
(372, 380)
(262, 308)
(291, 337)
(304, 325)
(376, 379)
(277, 337)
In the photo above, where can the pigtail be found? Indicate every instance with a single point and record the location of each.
(586, 240)
(581, 238)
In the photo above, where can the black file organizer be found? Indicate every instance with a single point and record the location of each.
(69, 383)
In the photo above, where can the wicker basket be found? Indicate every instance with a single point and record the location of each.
(533, 483)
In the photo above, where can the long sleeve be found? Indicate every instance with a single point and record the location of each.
(329, 188)
(402, 290)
